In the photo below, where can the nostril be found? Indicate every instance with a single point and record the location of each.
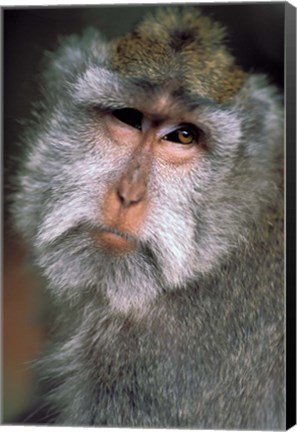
(123, 199)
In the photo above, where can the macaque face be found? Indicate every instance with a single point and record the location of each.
(135, 190)
(145, 140)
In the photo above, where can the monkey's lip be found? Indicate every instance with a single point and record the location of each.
(116, 241)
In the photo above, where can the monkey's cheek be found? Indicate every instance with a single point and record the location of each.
(113, 243)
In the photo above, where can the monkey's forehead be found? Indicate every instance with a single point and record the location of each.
(179, 45)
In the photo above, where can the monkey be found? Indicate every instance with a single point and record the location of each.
(150, 195)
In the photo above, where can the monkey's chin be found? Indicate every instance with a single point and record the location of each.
(113, 242)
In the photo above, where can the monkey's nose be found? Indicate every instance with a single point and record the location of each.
(132, 186)
(130, 193)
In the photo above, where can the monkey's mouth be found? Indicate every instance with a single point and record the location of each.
(115, 241)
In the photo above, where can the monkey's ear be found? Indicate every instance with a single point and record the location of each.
(260, 106)
(267, 99)
(257, 90)
(74, 54)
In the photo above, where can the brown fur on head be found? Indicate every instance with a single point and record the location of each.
(185, 46)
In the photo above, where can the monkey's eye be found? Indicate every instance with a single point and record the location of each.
(185, 135)
(130, 116)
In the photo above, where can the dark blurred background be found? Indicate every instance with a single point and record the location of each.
(256, 34)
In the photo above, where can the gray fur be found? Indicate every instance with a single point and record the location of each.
(186, 331)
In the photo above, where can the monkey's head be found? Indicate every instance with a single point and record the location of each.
(153, 157)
